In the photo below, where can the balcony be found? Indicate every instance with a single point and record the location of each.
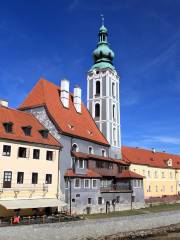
(16, 189)
(115, 188)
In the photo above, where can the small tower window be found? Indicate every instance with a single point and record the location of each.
(114, 136)
(97, 110)
(98, 88)
(113, 89)
(113, 111)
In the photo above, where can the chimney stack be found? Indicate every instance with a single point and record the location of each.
(3, 103)
(77, 99)
(65, 93)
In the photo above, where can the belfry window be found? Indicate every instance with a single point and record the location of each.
(114, 136)
(113, 111)
(98, 88)
(113, 89)
(97, 110)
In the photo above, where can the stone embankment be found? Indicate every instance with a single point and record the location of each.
(101, 229)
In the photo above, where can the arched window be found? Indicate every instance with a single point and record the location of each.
(113, 111)
(97, 110)
(75, 147)
(113, 89)
(103, 151)
(91, 151)
(98, 88)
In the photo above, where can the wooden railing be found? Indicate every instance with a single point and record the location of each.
(115, 188)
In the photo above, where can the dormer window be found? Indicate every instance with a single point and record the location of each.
(27, 130)
(44, 133)
(8, 126)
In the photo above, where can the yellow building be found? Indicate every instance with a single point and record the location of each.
(161, 171)
(29, 163)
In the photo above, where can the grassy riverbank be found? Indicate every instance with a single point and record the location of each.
(152, 209)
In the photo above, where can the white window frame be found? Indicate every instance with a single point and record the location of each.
(92, 183)
(88, 183)
(77, 149)
(92, 150)
(103, 150)
(75, 183)
(82, 163)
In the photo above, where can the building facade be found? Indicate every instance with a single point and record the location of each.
(29, 175)
(160, 171)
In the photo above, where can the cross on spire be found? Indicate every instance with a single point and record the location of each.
(102, 18)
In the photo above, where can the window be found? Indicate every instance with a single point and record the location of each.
(103, 153)
(34, 178)
(91, 150)
(143, 172)
(49, 155)
(73, 200)
(99, 200)
(6, 150)
(118, 199)
(89, 200)
(22, 153)
(149, 175)
(8, 126)
(27, 130)
(104, 164)
(86, 183)
(171, 188)
(78, 195)
(20, 178)
(77, 183)
(113, 111)
(36, 153)
(163, 175)
(48, 178)
(98, 88)
(94, 183)
(97, 110)
(171, 176)
(44, 133)
(81, 163)
(7, 179)
(155, 174)
(149, 189)
(75, 147)
(113, 89)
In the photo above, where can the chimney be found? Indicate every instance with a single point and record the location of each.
(77, 99)
(3, 103)
(65, 93)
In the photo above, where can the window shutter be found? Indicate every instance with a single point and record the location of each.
(54, 155)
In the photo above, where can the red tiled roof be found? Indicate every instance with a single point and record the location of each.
(89, 174)
(97, 157)
(47, 94)
(129, 174)
(19, 120)
(148, 157)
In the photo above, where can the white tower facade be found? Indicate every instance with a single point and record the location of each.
(103, 97)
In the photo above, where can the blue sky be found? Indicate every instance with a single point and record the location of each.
(55, 39)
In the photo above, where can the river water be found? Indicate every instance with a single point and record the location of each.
(169, 236)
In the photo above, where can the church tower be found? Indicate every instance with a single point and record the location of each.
(103, 99)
